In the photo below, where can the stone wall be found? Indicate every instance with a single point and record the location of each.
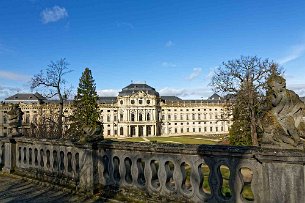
(195, 172)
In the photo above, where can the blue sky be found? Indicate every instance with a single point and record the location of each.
(172, 45)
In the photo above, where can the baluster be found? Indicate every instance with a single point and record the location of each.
(25, 158)
(73, 165)
(1, 161)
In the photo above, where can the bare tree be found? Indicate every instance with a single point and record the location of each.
(52, 79)
(245, 79)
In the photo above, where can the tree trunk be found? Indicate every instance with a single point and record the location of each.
(60, 114)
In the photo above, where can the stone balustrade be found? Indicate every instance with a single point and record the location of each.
(199, 173)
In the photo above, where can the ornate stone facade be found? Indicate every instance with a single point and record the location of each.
(138, 111)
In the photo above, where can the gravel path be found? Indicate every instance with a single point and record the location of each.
(14, 189)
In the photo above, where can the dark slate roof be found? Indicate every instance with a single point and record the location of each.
(170, 98)
(215, 97)
(107, 100)
(26, 97)
(133, 88)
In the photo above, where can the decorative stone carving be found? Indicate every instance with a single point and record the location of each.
(283, 123)
(92, 133)
(14, 120)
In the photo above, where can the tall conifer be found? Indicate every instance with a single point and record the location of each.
(85, 112)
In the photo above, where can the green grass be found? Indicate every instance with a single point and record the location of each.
(176, 139)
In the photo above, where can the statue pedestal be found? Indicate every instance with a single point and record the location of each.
(10, 156)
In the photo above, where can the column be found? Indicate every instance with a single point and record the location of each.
(144, 131)
(153, 132)
(137, 131)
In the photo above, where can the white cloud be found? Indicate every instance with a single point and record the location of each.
(196, 72)
(14, 76)
(298, 88)
(296, 52)
(168, 64)
(187, 93)
(108, 92)
(8, 91)
(169, 43)
(54, 14)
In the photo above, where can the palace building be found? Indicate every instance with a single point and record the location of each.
(137, 111)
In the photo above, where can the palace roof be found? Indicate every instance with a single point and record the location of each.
(134, 88)
(26, 97)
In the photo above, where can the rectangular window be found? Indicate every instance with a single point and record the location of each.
(187, 130)
(211, 129)
(108, 132)
(193, 130)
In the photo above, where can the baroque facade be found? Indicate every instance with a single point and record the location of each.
(137, 111)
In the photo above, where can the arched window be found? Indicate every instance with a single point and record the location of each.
(148, 116)
(140, 117)
(132, 117)
(121, 117)
(121, 131)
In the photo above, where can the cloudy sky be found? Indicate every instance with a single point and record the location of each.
(173, 46)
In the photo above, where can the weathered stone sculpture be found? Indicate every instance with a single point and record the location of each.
(14, 120)
(92, 133)
(283, 123)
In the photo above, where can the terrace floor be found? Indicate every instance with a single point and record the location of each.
(15, 189)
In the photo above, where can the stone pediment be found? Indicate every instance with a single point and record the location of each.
(140, 94)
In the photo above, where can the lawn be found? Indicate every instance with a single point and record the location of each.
(189, 139)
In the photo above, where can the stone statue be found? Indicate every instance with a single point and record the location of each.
(92, 133)
(283, 123)
(14, 120)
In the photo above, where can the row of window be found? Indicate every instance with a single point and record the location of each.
(192, 109)
(132, 117)
(133, 131)
(187, 116)
(204, 129)
(140, 101)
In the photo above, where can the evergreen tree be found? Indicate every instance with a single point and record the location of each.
(85, 106)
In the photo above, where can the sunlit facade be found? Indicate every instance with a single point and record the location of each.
(137, 111)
